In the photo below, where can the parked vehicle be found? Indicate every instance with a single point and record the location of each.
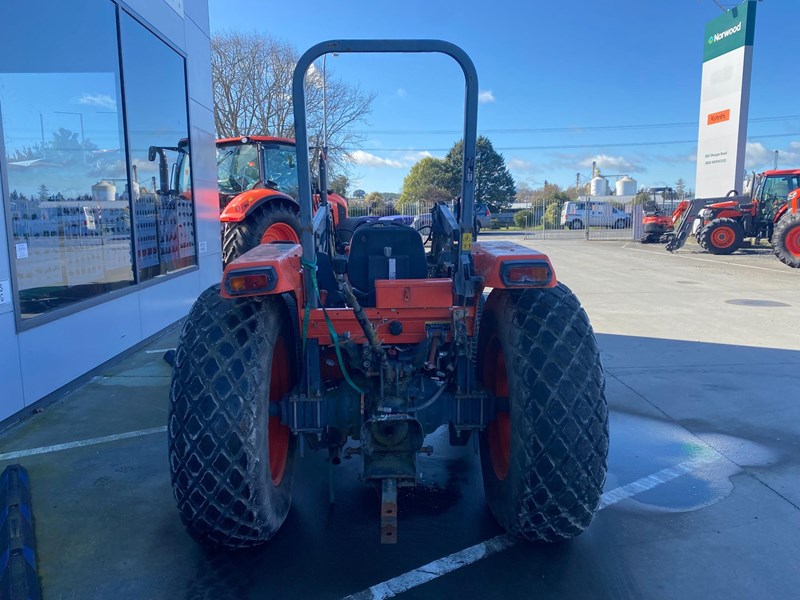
(483, 216)
(600, 214)
(362, 351)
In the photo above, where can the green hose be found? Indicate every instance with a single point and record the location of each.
(312, 269)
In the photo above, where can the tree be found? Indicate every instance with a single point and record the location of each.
(359, 194)
(339, 185)
(44, 193)
(252, 79)
(552, 215)
(427, 182)
(680, 187)
(642, 197)
(522, 218)
(494, 184)
(374, 201)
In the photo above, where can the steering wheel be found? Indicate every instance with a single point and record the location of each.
(731, 194)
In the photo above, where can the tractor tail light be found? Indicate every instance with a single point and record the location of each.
(526, 273)
(251, 281)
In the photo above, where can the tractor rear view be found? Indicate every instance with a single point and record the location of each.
(363, 341)
(258, 191)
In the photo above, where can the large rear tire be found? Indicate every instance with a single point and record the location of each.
(271, 222)
(230, 461)
(721, 236)
(543, 455)
(786, 240)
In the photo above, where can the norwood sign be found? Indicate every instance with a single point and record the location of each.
(725, 101)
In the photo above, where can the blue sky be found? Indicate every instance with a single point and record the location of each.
(598, 77)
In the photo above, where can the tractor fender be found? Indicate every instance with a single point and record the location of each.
(504, 264)
(781, 211)
(793, 201)
(246, 202)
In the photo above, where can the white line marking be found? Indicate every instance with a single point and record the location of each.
(158, 350)
(448, 564)
(81, 443)
(716, 262)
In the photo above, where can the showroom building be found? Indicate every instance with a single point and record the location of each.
(107, 183)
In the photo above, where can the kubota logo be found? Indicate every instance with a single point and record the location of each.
(722, 35)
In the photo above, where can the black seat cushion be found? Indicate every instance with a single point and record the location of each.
(384, 251)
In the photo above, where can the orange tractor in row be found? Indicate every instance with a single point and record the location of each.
(722, 226)
(362, 340)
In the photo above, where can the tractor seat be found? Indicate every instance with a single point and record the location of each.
(384, 250)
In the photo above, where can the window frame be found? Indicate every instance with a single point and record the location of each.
(120, 6)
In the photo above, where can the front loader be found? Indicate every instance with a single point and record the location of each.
(363, 344)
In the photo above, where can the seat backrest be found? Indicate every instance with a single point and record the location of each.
(384, 251)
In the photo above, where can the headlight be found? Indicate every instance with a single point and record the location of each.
(705, 213)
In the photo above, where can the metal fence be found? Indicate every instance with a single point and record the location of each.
(540, 219)
(546, 220)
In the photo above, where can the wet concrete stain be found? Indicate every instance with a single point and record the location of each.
(641, 444)
(749, 302)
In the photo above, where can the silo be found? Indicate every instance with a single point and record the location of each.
(599, 186)
(104, 191)
(626, 186)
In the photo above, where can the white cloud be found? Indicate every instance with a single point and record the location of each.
(414, 157)
(486, 96)
(99, 100)
(521, 165)
(370, 160)
(758, 156)
(401, 92)
(615, 164)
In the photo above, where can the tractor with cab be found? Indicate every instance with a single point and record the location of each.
(258, 193)
(362, 342)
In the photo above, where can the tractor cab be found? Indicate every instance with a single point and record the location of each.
(258, 193)
(255, 162)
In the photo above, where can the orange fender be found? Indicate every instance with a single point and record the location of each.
(243, 204)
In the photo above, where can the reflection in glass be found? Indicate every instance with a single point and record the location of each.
(64, 161)
(156, 111)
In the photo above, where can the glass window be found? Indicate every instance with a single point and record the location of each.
(237, 168)
(158, 130)
(64, 165)
(281, 168)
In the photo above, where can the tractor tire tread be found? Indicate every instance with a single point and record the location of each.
(704, 236)
(779, 246)
(563, 431)
(219, 480)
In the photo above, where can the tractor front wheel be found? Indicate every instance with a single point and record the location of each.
(721, 236)
(230, 456)
(786, 240)
(271, 222)
(543, 454)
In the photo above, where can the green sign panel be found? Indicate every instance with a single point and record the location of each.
(734, 29)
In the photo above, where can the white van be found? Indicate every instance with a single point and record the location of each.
(601, 214)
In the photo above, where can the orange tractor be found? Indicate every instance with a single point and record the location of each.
(361, 342)
(723, 225)
(258, 186)
(786, 235)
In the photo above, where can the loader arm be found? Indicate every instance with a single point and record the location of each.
(683, 227)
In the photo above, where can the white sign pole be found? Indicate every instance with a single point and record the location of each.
(725, 101)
